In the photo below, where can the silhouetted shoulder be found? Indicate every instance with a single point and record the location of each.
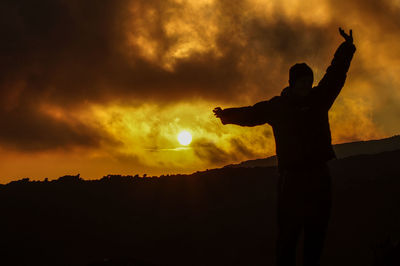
(269, 104)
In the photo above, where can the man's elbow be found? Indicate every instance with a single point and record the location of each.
(239, 123)
(252, 123)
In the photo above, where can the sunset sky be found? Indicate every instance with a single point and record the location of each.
(105, 87)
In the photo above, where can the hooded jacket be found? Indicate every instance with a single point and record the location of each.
(300, 125)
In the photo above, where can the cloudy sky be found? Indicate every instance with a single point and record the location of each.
(104, 87)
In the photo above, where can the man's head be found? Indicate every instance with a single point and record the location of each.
(301, 78)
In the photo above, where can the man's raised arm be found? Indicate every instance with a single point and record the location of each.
(258, 114)
(333, 81)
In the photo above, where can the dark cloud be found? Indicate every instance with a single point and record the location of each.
(241, 148)
(30, 130)
(210, 152)
(71, 51)
(369, 13)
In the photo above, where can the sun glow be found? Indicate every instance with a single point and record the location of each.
(184, 137)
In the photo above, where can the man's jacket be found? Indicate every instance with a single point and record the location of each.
(300, 125)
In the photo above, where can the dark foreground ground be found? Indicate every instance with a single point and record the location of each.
(218, 217)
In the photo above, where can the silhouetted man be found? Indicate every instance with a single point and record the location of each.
(299, 119)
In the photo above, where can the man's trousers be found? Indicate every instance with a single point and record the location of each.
(304, 203)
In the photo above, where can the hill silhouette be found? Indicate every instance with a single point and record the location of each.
(216, 217)
(342, 151)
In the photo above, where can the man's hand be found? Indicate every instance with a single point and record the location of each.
(218, 112)
(348, 38)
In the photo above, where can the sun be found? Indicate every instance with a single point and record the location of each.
(184, 137)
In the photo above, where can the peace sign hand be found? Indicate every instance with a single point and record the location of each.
(347, 37)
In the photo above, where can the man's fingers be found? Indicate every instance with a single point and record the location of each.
(347, 37)
(217, 111)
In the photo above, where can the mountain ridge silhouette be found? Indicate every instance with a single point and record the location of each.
(342, 150)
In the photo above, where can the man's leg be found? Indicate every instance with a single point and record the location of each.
(290, 220)
(288, 236)
(318, 207)
(314, 237)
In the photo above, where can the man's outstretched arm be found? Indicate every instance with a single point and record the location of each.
(249, 116)
(333, 81)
